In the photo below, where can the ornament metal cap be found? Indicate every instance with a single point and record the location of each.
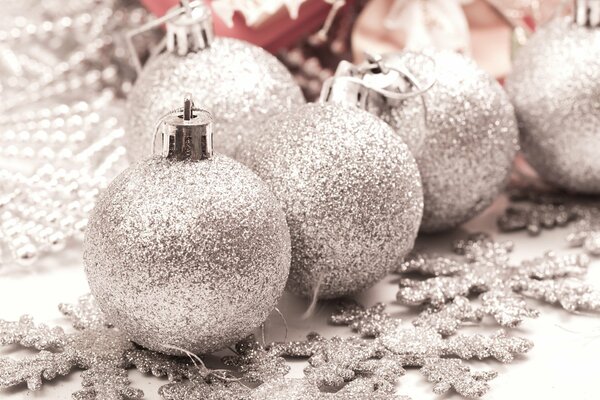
(377, 82)
(187, 132)
(189, 28)
(587, 13)
(192, 30)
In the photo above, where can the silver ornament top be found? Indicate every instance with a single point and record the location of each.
(587, 13)
(187, 133)
(375, 82)
(190, 31)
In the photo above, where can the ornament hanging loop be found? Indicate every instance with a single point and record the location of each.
(377, 79)
(187, 133)
(587, 13)
(189, 28)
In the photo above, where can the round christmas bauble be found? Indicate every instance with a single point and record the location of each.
(470, 139)
(241, 84)
(351, 192)
(187, 254)
(555, 88)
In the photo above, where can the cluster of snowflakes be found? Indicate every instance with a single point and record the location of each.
(535, 210)
(479, 280)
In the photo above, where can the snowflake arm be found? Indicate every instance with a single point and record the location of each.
(197, 388)
(586, 232)
(368, 322)
(430, 265)
(551, 266)
(145, 361)
(506, 307)
(256, 363)
(450, 373)
(25, 333)
(572, 294)
(435, 291)
(535, 217)
(106, 382)
(447, 319)
(499, 346)
(85, 314)
(33, 370)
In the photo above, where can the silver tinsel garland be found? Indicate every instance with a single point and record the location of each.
(64, 70)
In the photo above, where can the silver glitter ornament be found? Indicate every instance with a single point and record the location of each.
(187, 250)
(461, 130)
(241, 84)
(555, 87)
(351, 192)
(470, 142)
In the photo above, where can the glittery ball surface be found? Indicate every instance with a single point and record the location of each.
(187, 254)
(555, 87)
(351, 192)
(240, 84)
(470, 140)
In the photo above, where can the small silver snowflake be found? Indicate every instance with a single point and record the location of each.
(485, 268)
(536, 210)
(103, 352)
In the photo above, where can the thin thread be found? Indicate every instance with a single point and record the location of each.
(204, 371)
(284, 324)
(314, 299)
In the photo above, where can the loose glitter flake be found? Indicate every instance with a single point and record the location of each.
(535, 211)
(432, 348)
(103, 352)
(486, 269)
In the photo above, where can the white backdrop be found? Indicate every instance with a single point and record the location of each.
(563, 364)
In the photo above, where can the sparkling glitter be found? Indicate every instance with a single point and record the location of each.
(502, 283)
(240, 84)
(535, 210)
(451, 317)
(199, 389)
(187, 254)
(335, 361)
(103, 352)
(351, 192)
(255, 363)
(471, 140)
(434, 349)
(452, 373)
(555, 85)
(368, 322)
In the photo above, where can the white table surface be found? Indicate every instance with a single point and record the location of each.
(564, 363)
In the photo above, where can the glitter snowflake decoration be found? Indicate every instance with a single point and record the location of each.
(429, 344)
(485, 268)
(103, 352)
(534, 211)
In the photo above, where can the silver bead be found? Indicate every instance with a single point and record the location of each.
(26, 254)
